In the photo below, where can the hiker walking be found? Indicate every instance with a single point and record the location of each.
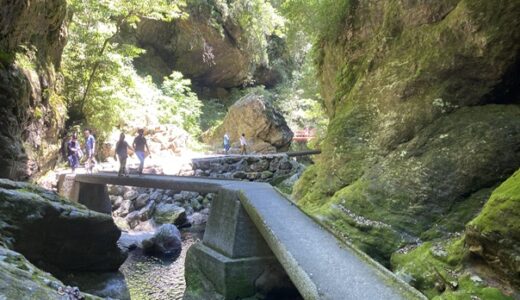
(73, 152)
(122, 152)
(227, 145)
(243, 144)
(90, 146)
(139, 144)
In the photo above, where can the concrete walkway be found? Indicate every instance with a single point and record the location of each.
(320, 266)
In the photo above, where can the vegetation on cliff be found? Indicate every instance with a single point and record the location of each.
(418, 135)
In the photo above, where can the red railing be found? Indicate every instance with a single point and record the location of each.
(304, 135)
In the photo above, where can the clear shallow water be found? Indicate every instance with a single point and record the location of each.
(151, 278)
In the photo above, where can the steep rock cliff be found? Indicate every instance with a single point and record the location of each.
(210, 48)
(32, 37)
(424, 105)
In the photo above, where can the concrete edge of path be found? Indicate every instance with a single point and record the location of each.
(251, 194)
(296, 272)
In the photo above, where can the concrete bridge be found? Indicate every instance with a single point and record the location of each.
(250, 227)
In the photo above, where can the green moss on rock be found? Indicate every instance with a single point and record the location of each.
(494, 234)
(439, 270)
(418, 134)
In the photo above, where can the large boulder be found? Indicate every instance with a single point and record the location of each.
(166, 241)
(212, 49)
(418, 134)
(54, 233)
(32, 36)
(264, 127)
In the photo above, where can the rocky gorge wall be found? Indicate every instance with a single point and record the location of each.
(210, 47)
(424, 114)
(32, 37)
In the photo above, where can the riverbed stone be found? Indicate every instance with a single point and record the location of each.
(169, 214)
(124, 209)
(133, 219)
(116, 190)
(130, 195)
(166, 241)
(240, 175)
(147, 211)
(141, 201)
(156, 196)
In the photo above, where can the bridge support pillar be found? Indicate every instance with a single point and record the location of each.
(93, 196)
(232, 255)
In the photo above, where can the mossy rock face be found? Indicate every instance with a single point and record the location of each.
(210, 48)
(19, 279)
(494, 234)
(424, 108)
(32, 111)
(440, 272)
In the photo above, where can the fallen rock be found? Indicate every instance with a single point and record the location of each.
(141, 201)
(166, 241)
(198, 218)
(169, 214)
(133, 219)
(131, 195)
(258, 120)
(146, 212)
(124, 209)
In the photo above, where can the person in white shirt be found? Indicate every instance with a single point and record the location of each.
(227, 144)
(243, 144)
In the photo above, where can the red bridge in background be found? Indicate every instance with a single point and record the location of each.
(304, 135)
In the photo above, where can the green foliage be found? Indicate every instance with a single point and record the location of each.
(214, 112)
(99, 77)
(317, 18)
(259, 20)
(178, 104)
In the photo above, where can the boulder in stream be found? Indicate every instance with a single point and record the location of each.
(170, 214)
(166, 241)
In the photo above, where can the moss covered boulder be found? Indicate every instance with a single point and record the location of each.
(19, 279)
(424, 105)
(54, 233)
(494, 234)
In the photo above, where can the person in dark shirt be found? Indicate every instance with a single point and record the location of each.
(122, 152)
(72, 152)
(139, 145)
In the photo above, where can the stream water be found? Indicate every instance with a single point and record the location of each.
(151, 278)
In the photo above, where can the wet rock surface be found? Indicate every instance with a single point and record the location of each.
(154, 278)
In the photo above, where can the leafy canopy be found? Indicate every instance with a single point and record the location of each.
(101, 85)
